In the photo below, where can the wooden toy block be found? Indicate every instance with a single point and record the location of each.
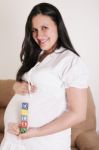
(24, 105)
(24, 124)
(23, 130)
(24, 112)
(24, 118)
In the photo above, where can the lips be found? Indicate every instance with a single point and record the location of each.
(42, 42)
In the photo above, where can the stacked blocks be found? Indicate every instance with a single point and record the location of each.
(24, 118)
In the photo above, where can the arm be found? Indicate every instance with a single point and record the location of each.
(77, 104)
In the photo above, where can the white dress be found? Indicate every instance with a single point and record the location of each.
(59, 70)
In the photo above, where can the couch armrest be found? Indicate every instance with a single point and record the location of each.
(88, 141)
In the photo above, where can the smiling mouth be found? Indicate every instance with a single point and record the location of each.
(43, 42)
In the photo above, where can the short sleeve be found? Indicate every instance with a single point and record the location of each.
(77, 74)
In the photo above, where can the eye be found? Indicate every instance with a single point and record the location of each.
(34, 30)
(44, 28)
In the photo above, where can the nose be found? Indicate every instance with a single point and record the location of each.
(39, 35)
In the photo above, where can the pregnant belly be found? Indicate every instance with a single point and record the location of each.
(43, 108)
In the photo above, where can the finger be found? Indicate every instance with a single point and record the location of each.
(13, 127)
(12, 132)
(24, 92)
(11, 124)
(24, 87)
(25, 83)
(15, 132)
(23, 136)
(33, 88)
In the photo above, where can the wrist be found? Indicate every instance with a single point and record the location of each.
(34, 132)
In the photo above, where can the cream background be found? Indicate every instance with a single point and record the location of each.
(82, 22)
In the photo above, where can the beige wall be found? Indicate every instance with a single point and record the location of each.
(81, 19)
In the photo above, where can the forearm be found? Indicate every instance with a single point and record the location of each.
(66, 120)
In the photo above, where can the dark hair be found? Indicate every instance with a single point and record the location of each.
(30, 50)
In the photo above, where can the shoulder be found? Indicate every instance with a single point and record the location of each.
(75, 73)
(71, 61)
(66, 57)
(72, 58)
(66, 53)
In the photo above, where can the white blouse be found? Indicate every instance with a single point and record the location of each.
(67, 66)
(57, 72)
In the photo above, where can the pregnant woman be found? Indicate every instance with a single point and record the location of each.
(52, 80)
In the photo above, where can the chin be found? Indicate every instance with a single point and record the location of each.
(44, 48)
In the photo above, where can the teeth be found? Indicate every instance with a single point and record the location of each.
(42, 42)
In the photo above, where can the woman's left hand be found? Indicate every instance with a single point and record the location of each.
(31, 132)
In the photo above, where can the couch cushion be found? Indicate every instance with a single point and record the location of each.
(88, 141)
(2, 110)
(89, 123)
(1, 136)
(6, 91)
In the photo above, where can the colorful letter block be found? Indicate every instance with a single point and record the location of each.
(24, 118)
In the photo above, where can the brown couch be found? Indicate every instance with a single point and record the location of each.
(84, 136)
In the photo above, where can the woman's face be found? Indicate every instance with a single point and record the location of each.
(44, 32)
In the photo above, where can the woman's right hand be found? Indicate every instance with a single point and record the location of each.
(23, 88)
(13, 128)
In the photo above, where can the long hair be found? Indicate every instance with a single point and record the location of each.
(30, 49)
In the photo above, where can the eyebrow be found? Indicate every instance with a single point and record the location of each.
(41, 26)
(33, 28)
